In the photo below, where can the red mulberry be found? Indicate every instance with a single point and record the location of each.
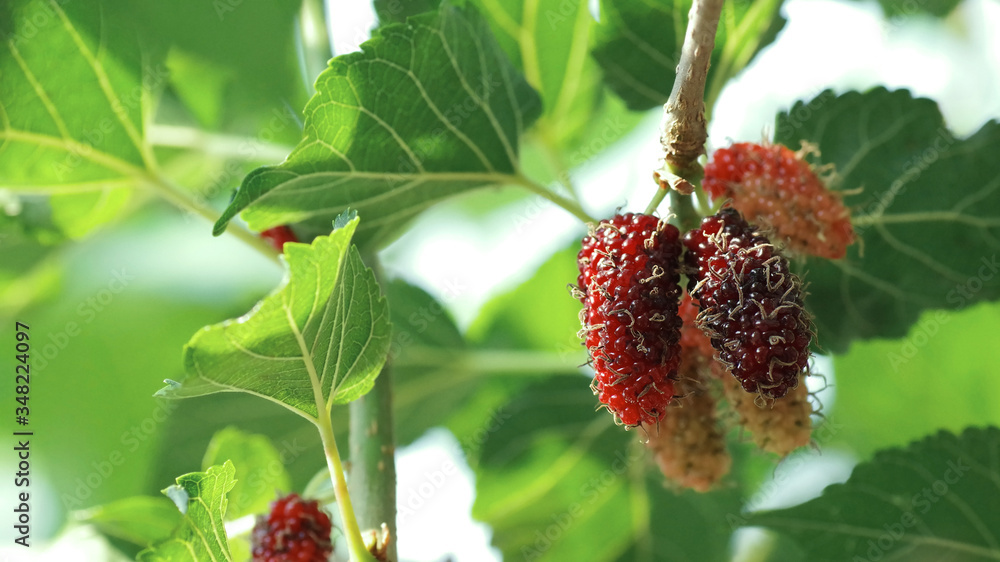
(775, 186)
(751, 304)
(279, 236)
(629, 284)
(295, 530)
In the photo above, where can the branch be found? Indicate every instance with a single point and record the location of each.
(373, 468)
(683, 133)
(372, 483)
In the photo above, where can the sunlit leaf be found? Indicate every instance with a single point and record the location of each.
(321, 339)
(427, 110)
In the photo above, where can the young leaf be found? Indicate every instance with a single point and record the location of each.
(260, 474)
(321, 339)
(934, 500)
(140, 520)
(201, 534)
(638, 45)
(924, 205)
(549, 41)
(77, 125)
(428, 109)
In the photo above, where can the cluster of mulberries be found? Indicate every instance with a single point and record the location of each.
(665, 359)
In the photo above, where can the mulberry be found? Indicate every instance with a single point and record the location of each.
(775, 186)
(751, 304)
(628, 283)
(295, 530)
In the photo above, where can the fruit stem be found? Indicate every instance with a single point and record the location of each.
(683, 131)
(356, 545)
(683, 207)
(570, 206)
(658, 197)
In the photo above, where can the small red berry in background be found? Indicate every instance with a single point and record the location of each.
(751, 304)
(279, 236)
(629, 275)
(295, 530)
(774, 186)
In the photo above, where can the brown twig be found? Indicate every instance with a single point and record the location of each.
(684, 132)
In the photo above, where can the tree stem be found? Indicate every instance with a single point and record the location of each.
(373, 467)
(373, 450)
(684, 132)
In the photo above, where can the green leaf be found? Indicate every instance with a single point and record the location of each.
(904, 369)
(201, 534)
(427, 110)
(924, 205)
(260, 473)
(72, 100)
(577, 476)
(549, 41)
(140, 520)
(638, 45)
(319, 340)
(934, 500)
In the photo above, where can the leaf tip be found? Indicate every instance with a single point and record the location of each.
(344, 218)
